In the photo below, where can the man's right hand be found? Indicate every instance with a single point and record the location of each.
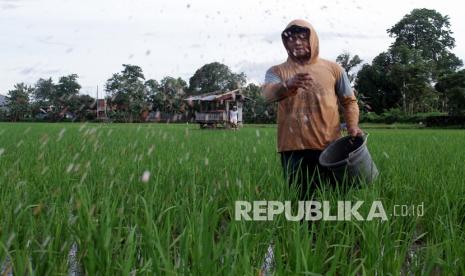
(301, 80)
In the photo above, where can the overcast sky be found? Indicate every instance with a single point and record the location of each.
(52, 38)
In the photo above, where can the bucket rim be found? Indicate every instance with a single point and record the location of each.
(345, 161)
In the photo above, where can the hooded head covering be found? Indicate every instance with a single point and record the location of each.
(313, 39)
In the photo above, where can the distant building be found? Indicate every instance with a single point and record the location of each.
(213, 108)
(101, 109)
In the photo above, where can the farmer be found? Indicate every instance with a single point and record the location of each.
(233, 117)
(308, 90)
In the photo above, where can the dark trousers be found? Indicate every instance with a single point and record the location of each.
(302, 169)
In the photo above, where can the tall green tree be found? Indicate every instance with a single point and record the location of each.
(453, 86)
(411, 72)
(348, 62)
(172, 92)
(67, 86)
(154, 95)
(128, 91)
(213, 77)
(257, 110)
(406, 72)
(66, 89)
(56, 98)
(82, 106)
(374, 83)
(428, 32)
(44, 91)
(18, 101)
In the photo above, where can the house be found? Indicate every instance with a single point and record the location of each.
(101, 109)
(213, 108)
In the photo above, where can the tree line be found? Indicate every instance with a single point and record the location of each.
(128, 94)
(418, 73)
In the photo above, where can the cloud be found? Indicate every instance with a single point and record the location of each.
(48, 40)
(336, 35)
(38, 70)
(272, 37)
(255, 71)
(9, 6)
(150, 34)
(27, 71)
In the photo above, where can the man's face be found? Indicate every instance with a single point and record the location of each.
(297, 42)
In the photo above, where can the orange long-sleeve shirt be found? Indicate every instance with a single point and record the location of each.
(309, 119)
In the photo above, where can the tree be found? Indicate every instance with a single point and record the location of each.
(214, 77)
(65, 90)
(404, 75)
(398, 78)
(128, 91)
(18, 101)
(428, 32)
(453, 87)
(154, 95)
(257, 110)
(44, 90)
(82, 106)
(67, 86)
(55, 97)
(172, 91)
(373, 82)
(411, 74)
(348, 63)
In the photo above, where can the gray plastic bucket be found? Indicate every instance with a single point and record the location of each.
(349, 157)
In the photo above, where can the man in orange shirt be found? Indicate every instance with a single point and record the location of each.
(308, 90)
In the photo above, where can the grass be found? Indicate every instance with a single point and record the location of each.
(62, 184)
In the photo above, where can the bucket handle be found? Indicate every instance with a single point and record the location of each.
(365, 138)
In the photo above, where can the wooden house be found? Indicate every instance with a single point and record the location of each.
(212, 109)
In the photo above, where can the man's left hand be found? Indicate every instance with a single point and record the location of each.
(355, 131)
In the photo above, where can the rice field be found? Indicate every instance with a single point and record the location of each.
(159, 199)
